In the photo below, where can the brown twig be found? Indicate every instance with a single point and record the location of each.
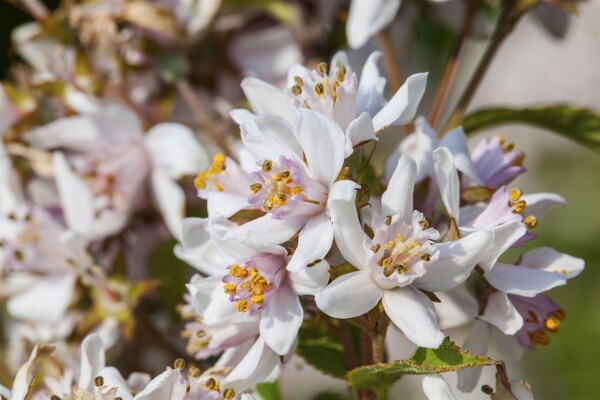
(387, 48)
(452, 65)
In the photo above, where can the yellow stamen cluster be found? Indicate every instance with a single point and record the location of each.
(254, 285)
(280, 186)
(217, 167)
(508, 147)
(551, 324)
(519, 206)
(398, 254)
(324, 87)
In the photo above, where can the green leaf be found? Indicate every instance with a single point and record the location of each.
(448, 357)
(171, 273)
(579, 124)
(320, 348)
(269, 390)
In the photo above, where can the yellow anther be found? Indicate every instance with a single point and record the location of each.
(179, 364)
(319, 89)
(389, 245)
(519, 206)
(508, 147)
(501, 139)
(388, 220)
(284, 174)
(211, 384)
(228, 394)
(255, 188)
(519, 160)
(194, 372)
(515, 194)
(322, 68)
(217, 166)
(243, 306)
(276, 177)
(267, 165)
(539, 337)
(531, 222)
(282, 198)
(552, 324)
(375, 248)
(386, 262)
(426, 257)
(230, 288)
(99, 381)
(298, 81)
(559, 314)
(201, 334)
(399, 238)
(424, 224)
(258, 299)
(296, 90)
(341, 73)
(296, 190)
(238, 271)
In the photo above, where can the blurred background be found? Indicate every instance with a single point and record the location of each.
(532, 67)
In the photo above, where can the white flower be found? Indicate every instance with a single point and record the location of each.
(436, 388)
(400, 259)
(252, 285)
(367, 18)
(357, 106)
(107, 158)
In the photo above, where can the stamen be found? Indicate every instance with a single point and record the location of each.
(531, 222)
(211, 384)
(217, 166)
(519, 206)
(99, 381)
(179, 364)
(228, 394)
(230, 288)
(319, 89)
(237, 271)
(201, 334)
(298, 81)
(194, 372)
(515, 194)
(424, 224)
(297, 90)
(508, 147)
(341, 73)
(388, 220)
(322, 68)
(552, 324)
(375, 248)
(267, 165)
(243, 306)
(255, 188)
(426, 257)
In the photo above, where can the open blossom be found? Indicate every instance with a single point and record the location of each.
(498, 163)
(357, 106)
(366, 18)
(104, 160)
(401, 259)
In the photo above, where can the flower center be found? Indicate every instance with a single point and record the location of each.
(518, 207)
(540, 316)
(324, 86)
(248, 287)
(217, 167)
(275, 186)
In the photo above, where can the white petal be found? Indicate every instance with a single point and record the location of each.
(266, 99)
(402, 108)
(197, 249)
(92, 360)
(436, 388)
(175, 151)
(447, 178)
(538, 204)
(506, 346)
(340, 58)
(477, 343)
(368, 17)
(456, 142)
(268, 137)
(369, 97)
(413, 313)
(23, 379)
(202, 289)
(349, 296)
(504, 236)
(323, 143)
(241, 116)
(360, 130)
(550, 260)
(114, 379)
(78, 133)
(45, 301)
(308, 281)
(225, 204)
(270, 229)
(457, 307)
(351, 240)
(160, 388)
(455, 262)
(254, 368)
(501, 313)
(170, 200)
(522, 281)
(398, 197)
(257, 244)
(314, 242)
(281, 319)
(75, 195)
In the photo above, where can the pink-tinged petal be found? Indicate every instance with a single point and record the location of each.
(458, 307)
(447, 178)
(506, 346)
(340, 58)
(366, 18)
(398, 197)
(255, 367)
(402, 108)
(92, 360)
(45, 301)
(456, 142)
(419, 145)
(539, 204)
(314, 242)
(281, 319)
(75, 195)
(114, 379)
(269, 137)
(170, 199)
(160, 388)
(270, 229)
(175, 151)
(352, 242)
(309, 281)
(360, 130)
(522, 281)
(78, 133)
(257, 244)
(413, 313)
(349, 296)
(505, 236)
(477, 343)
(501, 313)
(323, 143)
(550, 260)
(436, 388)
(371, 87)
(455, 262)
(220, 310)
(266, 99)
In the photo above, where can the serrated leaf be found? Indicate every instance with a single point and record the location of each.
(320, 348)
(579, 124)
(448, 357)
